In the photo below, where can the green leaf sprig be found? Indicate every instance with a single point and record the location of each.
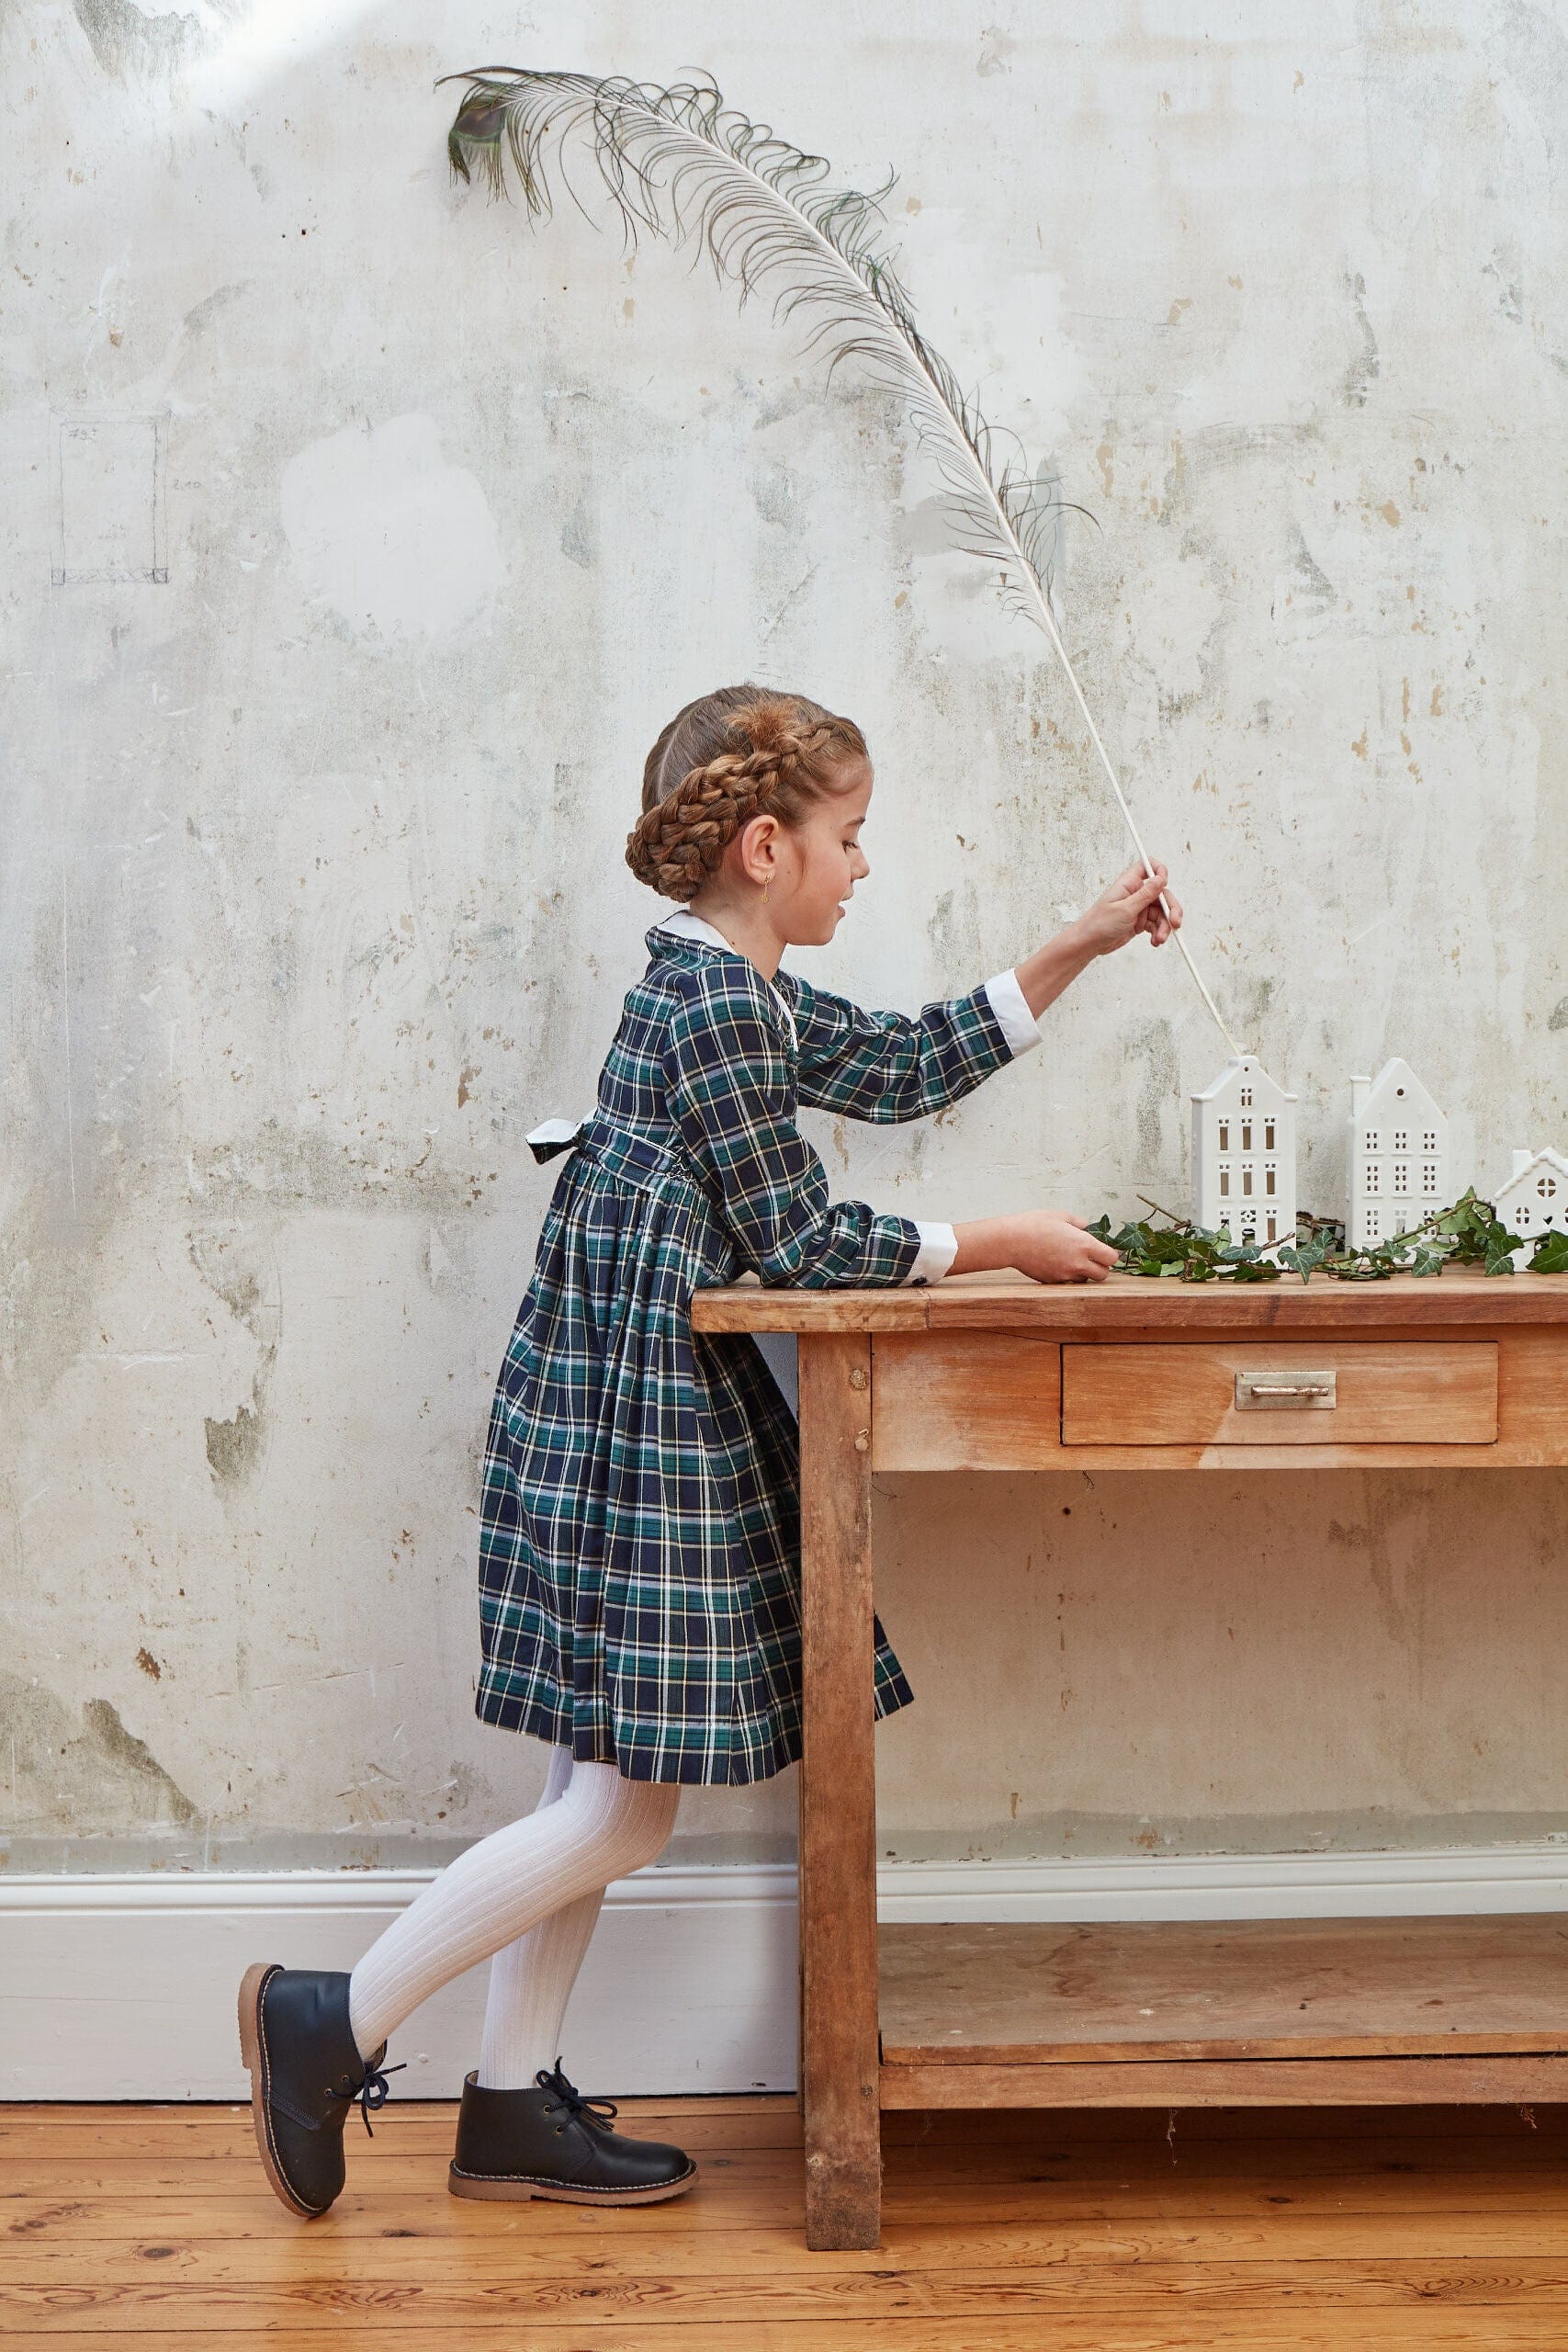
(1468, 1232)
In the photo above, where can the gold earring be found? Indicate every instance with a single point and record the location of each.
(764, 894)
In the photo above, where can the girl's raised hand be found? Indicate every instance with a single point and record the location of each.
(1130, 906)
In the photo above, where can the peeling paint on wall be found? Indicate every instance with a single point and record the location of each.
(395, 539)
(85, 1775)
(314, 897)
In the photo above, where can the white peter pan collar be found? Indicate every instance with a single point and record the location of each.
(684, 924)
(687, 925)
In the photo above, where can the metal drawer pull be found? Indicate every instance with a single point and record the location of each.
(1284, 1392)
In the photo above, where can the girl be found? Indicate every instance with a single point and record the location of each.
(640, 1552)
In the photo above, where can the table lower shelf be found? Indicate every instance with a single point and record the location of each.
(1316, 2012)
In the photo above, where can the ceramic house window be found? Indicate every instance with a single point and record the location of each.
(1242, 1108)
(1391, 1115)
(1530, 1201)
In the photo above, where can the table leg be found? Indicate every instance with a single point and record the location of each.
(839, 2051)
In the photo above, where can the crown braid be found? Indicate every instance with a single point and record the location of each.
(764, 752)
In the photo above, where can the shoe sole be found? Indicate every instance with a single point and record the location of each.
(520, 2192)
(253, 2050)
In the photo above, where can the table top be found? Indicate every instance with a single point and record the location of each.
(1457, 1298)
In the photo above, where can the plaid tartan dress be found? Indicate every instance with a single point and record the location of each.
(639, 1568)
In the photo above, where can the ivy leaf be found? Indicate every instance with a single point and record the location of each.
(1468, 1232)
(1304, 1259)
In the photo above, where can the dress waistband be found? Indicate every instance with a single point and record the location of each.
(620, 1149)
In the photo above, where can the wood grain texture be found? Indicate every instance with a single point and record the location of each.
(1227, 1989)
(966, 1400)
(1129, 1304)
(1258, 2082)
(1101, 2232)
(747, 1307)
(1183, 1392)
(989, 1400)
(838, 1795)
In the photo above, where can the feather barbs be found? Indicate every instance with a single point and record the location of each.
(678, 162)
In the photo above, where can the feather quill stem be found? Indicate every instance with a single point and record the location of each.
(690, 118)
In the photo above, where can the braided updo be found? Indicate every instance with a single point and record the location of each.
(739, 752)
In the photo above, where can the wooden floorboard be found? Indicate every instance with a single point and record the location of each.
(1257, 2231)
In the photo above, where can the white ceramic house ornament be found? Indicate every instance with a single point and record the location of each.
(1535, 1199)
(1399, 1156)
(1243, 1155)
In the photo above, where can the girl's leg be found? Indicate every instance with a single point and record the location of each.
(531, 1980)
(600, 1828)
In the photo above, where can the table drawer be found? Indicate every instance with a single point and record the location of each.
(1404, 1392)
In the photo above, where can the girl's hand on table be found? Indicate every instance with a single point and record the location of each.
(1130, 906)
(1048, 1244)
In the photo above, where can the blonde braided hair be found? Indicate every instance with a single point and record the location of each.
(738, 752)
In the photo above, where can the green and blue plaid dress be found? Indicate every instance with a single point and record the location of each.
(639, 1568)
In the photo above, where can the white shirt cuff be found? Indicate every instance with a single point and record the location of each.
(1011, 1008)
(938, 1247)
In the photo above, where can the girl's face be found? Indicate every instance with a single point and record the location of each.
(820, 862)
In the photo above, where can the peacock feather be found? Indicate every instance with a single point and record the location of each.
(682, 165)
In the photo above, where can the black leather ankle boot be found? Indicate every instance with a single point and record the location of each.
(306, 2073)
(552, 2141)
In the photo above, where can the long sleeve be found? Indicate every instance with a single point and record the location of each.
(889, 1066)
(731, 1095)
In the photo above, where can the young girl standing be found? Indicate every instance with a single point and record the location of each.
(639, 1551)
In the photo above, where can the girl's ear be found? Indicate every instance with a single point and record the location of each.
(756, 847)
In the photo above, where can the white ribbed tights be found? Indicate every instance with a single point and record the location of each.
(527, 1898)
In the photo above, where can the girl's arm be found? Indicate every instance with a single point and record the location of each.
(1048, 1246)
(885, 1067)
(890, 1066)
(726, 1069)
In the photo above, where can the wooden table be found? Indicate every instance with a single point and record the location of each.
(981, 1373)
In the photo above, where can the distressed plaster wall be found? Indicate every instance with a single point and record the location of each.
(357, 541)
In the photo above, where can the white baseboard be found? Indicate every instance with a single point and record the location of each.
(123, 1988)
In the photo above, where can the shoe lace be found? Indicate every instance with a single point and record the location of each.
(597, 2112)
(373, 2090)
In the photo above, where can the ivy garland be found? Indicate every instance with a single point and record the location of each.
(1467, 1234)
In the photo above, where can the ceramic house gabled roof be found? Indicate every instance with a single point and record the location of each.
(1384, 1100)
(1245, 1071)
(1537, 1160)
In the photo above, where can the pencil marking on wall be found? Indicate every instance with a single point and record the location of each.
(106, 496)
